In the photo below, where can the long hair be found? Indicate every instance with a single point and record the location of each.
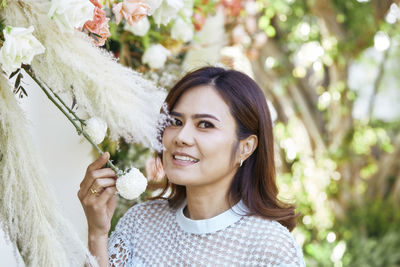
(255, 181)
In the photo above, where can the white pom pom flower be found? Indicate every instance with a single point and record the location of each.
(96, 128)
(132, 184)
(156, 56)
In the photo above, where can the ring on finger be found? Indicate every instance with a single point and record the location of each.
(93, 191)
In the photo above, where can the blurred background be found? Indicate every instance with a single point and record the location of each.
(330, 73)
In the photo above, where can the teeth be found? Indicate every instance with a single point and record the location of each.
(185, 158)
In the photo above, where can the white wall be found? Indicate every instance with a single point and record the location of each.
(64, 154)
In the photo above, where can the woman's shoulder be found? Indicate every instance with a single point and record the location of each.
(275, 239)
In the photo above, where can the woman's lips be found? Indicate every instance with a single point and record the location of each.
(179, 162)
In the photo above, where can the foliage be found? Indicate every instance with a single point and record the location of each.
(341, 169)
(372, 234)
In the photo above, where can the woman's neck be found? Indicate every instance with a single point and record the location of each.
(205, 204)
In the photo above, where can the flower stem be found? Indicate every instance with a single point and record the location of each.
(65, 105)
(79, 129)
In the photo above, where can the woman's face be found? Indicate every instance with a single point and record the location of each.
(200, 143)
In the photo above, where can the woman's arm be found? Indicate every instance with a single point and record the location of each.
(98, 248)
(98, 199)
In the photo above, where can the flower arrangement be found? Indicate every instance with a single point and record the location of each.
(37, 37)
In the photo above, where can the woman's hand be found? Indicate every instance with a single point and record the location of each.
(97, 196)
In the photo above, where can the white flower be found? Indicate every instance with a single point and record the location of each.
(153, 5)
(71, 14)
(156, 56)
(132, 184)
(187, 10)
(96, 128)
(182, 30)
(140, 28)
(167, 10)
(20, 46)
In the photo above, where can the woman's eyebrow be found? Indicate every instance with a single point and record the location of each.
(195, 116)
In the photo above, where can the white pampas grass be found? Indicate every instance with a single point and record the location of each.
(127, 102)
(28, 213)
(132, 184)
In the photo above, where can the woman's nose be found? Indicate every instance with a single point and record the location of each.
(185, 136)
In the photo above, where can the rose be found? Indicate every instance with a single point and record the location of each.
(99, 26)
(182, 30)
(104, 33)
(167, 10)
(20, 46)
(71, 14)
(131, 10)
(140, 28)
(99, 19)
(96, 128)
(132, 184)
(96, 3)
(156, 56)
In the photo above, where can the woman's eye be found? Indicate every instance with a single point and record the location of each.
(176, 122)
(205, 124)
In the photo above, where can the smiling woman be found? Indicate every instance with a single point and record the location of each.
(222, 208)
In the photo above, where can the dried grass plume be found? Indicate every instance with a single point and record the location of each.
(28, 213)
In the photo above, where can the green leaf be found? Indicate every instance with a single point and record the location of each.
(22, 92)
(14, 73)
(94, 36)
(263, 23)
(270, 31)
(18, 80)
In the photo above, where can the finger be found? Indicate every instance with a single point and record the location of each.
(100, 184)
(99, 162)
(91, 176)
(107, 194)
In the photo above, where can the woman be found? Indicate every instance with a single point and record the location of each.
(222, 209)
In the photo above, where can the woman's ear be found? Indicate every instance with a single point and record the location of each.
(247, 147)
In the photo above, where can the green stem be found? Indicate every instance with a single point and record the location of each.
(79, 129)
(65, 105)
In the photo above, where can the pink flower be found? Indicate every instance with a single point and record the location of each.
(99, 18)
(104, 32)
(131, 10)
(96, 3)
(99, 26)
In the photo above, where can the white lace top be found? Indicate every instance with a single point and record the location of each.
(153, 234)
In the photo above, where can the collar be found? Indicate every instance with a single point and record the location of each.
(219, 222)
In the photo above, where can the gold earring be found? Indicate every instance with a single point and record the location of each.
(241, 163)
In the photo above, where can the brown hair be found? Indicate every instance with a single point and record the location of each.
(254, 182)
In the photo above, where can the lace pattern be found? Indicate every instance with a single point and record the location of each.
(149, 235)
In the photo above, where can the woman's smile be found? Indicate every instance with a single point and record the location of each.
(183, 159)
